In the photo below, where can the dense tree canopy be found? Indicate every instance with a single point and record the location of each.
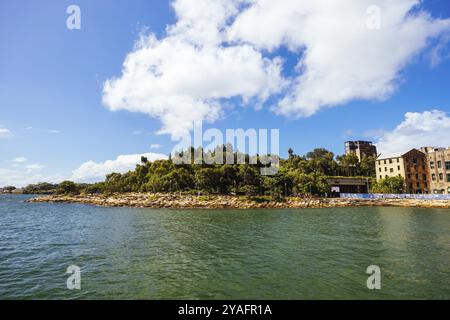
(297, 175)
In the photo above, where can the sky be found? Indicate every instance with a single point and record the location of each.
(80, 103)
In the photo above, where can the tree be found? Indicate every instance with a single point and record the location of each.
(9, 189)
(67, 187)
(389, 185)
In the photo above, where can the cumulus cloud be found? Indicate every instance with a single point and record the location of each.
(224, 49)
(4, 133)
(155, 146)
(20, 160)
(341, 59)
(93, 171)
(22, 177)
(429, 128)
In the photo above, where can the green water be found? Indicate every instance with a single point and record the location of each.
(222, 254)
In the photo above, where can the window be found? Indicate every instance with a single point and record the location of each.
(448, 177)
(384, 161)
(424, 177)
(414, 160)
(386, 176)
(391, 170)
(441, 176)
(398, 160)
(379, 169)
(409, 176)
(439, 164)
(447, 165)
(431, 164)
(399, 175)
(433, 177)
(381, 177)
(385, 168)
(417, 176)
(418, 185)
(390, 160)
(398, 168)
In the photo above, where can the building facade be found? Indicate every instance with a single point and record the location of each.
(439, 167)
(412, 166)
(361, 149)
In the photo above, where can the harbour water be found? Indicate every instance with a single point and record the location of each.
(129, 253)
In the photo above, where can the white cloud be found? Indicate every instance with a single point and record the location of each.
(155, 146)
(341, 58)
(224, 49)
(20, 160)
(429, 128)
(34, 166)
(54, 131)
(21, 177)
(4, 133)
(186, 76)
(92, 171)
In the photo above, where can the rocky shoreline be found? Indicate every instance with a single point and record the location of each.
(152, 200)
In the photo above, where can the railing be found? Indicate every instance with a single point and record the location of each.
(395, 196)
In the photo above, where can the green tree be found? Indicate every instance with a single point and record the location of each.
(389, 185)
(9, 189)
(67, 188)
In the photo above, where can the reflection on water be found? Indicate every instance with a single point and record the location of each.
(229, 254)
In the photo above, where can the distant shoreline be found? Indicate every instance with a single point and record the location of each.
(157, 200)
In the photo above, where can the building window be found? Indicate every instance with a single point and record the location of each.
(424, 177)
(409, 176)
(385, 168)
(439, 164)
(384, 161)
(433, 177)
(432, 164)
(391, 170)
(417, 176)
(379, 169)
(447, 165)
(448, 177)
(441, 176)
(381, 177)
(398, 160)
(398, 168)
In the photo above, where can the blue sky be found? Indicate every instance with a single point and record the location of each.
(52, 87)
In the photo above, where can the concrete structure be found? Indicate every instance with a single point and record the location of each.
(348, 185)
(361, 149)
(411, 166)
(438, 162)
